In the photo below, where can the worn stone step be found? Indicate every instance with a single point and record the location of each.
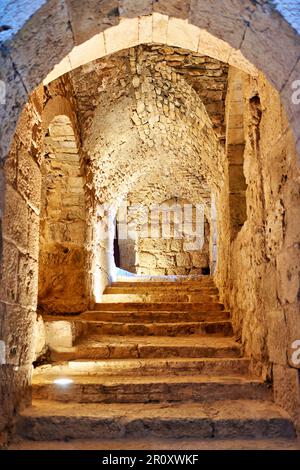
(165, 284)
(160, 306)
(220, 328)
(126, 347)
(159, 297)
(137, 289)
(146, 389)
(173, 366)
(148, 316)
(230, 419)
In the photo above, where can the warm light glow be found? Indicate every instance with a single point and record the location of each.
(63, 381)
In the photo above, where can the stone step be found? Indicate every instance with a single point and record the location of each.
(155, 297)
(230, 419)
(160, 306)
(128, 347)
(149, 316)
(173, 366)
(146, 389)
(220, 328)
(137, 289)
(165, 284)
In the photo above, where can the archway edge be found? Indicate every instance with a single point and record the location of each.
(151, 29)
(255, 31)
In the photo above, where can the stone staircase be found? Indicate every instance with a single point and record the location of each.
(156, 359)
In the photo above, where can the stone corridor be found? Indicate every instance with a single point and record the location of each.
(149, 224)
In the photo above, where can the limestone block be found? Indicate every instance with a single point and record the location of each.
(151, 271)
(274, 229)
(176, 271)
(29, 179)
(18, 329)
(277, 336)
(237, 59)
(213, 47)
(32, 50)
(269, 45)
(176, 8)
(64, 66)
(147, 260)
(225, 21)
(39, 337)
(33, 234)
(176, 245)
(268, 286)
(134, 8)
(15, 96)
(183, 260)
(292, 214)
(123, 36)
(11, 163)
(60, 334)
(145, 30)
(15, 220)
(29, 130)
(160, 28)
(288, 267)
(199, 260)
(182, 34)
(93, 18)
(28, 281)
(92, 49)
(165, 261)
(153, 245)
(9, 272)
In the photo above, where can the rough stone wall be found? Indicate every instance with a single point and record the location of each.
(20, 179)
(260, 278)
(62, 224)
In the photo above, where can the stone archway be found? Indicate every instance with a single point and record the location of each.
(27, 60)
(27, 57)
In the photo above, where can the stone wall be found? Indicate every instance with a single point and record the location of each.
(62, 223)
(165, 239)
(259, 272)
(20, 179)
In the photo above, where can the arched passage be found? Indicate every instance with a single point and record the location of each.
(271, 266)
